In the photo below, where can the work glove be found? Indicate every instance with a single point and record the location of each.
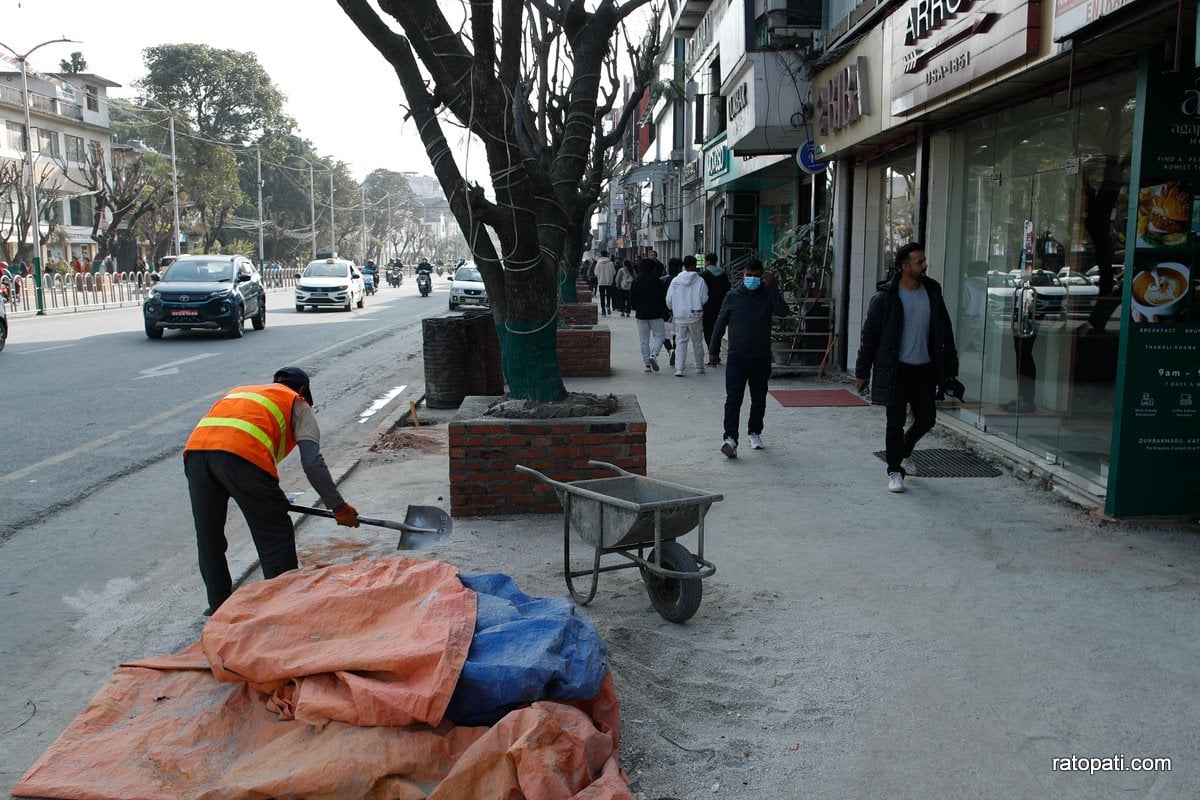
(346, 515)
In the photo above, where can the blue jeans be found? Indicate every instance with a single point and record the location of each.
(740, 372)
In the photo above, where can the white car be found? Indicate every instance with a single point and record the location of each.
(1051, 294)
(330, 282)
(467, 288)
(1081, 292)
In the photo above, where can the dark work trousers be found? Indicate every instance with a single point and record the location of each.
(740, 372)
(213, 477)
(1026, 368)
(916, 386)
(606, 298)
(709, 321)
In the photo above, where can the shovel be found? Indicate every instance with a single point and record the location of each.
(423, 525)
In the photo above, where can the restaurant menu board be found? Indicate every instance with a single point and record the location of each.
(1157, 432)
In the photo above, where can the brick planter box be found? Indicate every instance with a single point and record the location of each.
(583, 295)
(484, 450)
(584, 352)
(579, 314)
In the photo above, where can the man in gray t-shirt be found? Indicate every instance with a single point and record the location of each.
(907, 349)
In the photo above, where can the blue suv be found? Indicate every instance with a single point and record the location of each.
(207, 293)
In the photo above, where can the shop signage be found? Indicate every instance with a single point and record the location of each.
(738, 99)
(691, 170)
(1071, 15)
(843, 100)
(716, 162)
(941, 46)
(1156, 438)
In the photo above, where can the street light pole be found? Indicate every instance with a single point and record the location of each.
(258, 152)
(363, 195)
(174, 184)
(312, 206)
(36, 218)
(332, 239)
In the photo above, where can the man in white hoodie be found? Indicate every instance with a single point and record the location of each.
(605, 273)
(686, 297)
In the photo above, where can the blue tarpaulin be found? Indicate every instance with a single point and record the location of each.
(525, 649)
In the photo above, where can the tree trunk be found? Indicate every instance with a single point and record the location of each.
(530, 361)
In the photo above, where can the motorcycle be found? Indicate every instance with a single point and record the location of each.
(369, 283)
(394, 277)
(424, 283)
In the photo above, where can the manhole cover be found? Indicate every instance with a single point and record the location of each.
(948, 464)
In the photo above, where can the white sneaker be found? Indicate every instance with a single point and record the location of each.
(653, 363)
(678, 373)
(909, 466)
(895, 482)
(729, 447)
(755, 442)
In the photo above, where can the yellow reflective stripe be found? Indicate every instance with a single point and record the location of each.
(278, 451)
(241, 425)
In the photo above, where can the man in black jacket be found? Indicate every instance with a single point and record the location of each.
(747, 312)
(908, 344)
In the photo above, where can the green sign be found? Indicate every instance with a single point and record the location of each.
(1156, 438)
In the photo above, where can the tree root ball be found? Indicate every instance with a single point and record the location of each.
(575, 404)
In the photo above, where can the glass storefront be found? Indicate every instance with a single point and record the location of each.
(1037, 206)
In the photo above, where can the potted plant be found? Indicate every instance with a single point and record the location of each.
(802, 262)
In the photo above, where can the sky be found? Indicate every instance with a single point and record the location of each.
(344, 96)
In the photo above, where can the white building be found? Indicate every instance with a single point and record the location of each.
(69, 117)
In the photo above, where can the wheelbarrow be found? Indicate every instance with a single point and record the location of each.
(627, 513)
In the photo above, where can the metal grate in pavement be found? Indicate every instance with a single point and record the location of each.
(940, 463)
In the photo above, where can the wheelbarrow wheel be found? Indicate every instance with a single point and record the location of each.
(675, 599)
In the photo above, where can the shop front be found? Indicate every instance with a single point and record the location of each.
(1013, 155)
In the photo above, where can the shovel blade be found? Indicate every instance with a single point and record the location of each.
(435, 526)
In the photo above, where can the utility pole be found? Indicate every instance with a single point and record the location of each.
(364, 221)
(258, 151)
(312, 206)
(332, 240)
(35, 217)
(174, 184)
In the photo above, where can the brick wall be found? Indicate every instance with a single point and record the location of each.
(484, 451)
(584, 352)
(579, 314)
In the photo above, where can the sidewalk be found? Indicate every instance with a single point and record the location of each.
(950, 641)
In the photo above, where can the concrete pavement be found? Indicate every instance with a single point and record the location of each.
(951, 641)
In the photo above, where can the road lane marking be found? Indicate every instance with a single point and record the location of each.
(375, 407)
(41, 349)
(171, 367)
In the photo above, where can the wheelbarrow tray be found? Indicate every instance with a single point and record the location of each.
(620, 512)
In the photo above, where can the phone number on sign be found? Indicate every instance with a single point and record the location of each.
(956, 64)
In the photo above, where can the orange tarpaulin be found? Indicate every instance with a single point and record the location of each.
(168, 728)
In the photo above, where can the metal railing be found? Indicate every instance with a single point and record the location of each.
(93, 291)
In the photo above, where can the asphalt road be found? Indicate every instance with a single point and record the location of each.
(97, 553)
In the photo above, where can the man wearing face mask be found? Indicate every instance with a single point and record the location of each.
(907, 350)
(747, 313)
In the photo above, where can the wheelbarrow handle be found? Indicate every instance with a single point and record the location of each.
(379, 523)
(542, 477)
(615, 468)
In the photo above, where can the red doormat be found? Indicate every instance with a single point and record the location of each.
(815, 398)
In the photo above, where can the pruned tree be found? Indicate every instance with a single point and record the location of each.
(16, 221)
(535, 83)
(76, 65)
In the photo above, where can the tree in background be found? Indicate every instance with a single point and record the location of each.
(225, 99)
(75, 65)
(535, 84)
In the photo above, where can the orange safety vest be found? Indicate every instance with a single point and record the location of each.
(254, 422)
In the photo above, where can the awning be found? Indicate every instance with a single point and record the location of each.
(654, 171)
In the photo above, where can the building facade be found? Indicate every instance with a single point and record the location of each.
(70, 128)
(1042, 146)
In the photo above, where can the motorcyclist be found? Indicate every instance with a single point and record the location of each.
(370, 277)
(424, 277)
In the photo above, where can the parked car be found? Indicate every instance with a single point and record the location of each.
(1051, 294)
(206, 293)
(468, 288)
(330, 282)
(1081, 293)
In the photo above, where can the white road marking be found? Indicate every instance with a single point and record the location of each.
(375, 407)
(42, 349)
(171, 367)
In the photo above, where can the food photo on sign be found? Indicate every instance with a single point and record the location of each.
(1165, 217)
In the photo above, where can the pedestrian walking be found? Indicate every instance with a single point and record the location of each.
(686, 297)
(648, 298)
(605, 273)
(233, 452)
(666, 275)
(624, 280)
(718, 286)
(747, 313)
(906, 351)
